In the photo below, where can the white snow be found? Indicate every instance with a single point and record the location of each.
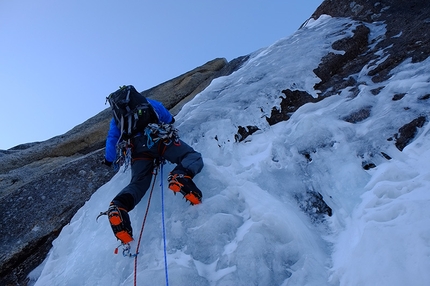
(250, 229)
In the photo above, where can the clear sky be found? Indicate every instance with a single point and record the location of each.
(60, 59)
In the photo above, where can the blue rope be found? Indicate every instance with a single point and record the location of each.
(163, 222)
(149, 141)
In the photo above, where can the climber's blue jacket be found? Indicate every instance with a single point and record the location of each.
(114, 133)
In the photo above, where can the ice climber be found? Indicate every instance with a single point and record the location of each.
(145, 126)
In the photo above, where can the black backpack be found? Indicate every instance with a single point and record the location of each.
(131, 110)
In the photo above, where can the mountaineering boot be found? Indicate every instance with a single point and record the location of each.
(120, 222)
(180, 182)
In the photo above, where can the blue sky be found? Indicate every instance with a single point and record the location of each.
(60, 59)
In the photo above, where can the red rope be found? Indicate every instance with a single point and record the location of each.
(143, 226)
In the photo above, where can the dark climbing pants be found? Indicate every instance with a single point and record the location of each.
(187, 161)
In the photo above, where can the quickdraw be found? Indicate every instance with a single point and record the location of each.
(124, 150)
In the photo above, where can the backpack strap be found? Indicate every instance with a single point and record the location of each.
(129, 118)
(122, 128)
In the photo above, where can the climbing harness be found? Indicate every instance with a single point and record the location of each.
(154, 132)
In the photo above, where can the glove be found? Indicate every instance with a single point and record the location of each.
(106, 162)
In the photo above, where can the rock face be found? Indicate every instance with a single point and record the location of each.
(43, 184)
(407, 24)
(407, 36)
(176, 92)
